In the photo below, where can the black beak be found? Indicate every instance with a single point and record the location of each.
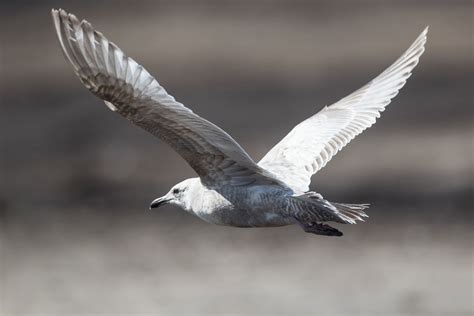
(159, 202)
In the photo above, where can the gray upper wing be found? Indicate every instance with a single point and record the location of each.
(127, 88)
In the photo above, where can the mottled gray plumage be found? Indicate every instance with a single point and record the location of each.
(231, 188)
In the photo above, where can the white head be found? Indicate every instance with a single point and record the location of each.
(180, 195)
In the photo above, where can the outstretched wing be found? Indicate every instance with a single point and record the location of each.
(313, 142)
(127, 88)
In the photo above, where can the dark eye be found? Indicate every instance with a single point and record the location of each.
(175, 191)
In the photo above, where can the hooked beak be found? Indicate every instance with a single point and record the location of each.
(159, 202)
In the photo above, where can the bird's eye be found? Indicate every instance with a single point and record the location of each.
(175, 191)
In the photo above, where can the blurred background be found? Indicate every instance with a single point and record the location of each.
(76, 234)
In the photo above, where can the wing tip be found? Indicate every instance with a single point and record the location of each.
(62, 16)
(425, 31)
(55, 15)
(419, 44)
(423, 37)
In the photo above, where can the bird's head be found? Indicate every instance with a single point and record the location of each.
(178, 195)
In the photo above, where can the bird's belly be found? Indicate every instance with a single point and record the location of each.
(230, 216)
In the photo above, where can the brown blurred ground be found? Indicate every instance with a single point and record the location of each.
(76, 237)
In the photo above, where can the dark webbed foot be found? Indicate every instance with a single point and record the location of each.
(320, 229)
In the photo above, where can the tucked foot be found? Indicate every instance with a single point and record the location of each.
(320, 229)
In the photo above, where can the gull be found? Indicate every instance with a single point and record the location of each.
(232, 189)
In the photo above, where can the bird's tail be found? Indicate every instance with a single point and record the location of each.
(351, 212)
(312, 207)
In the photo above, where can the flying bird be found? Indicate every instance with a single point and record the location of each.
(231, 188)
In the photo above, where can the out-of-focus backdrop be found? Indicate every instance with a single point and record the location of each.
(76, 234)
